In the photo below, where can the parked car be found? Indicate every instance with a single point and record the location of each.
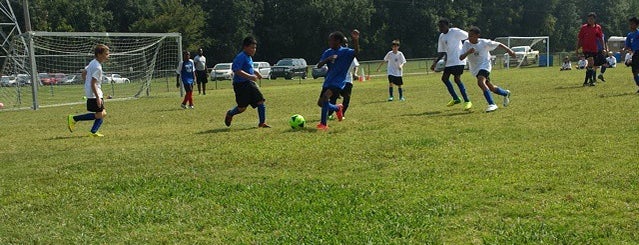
(7, 81)
(70, 79)
(263, 67)
(23, 79)
(222, 71)
(51, 78)
(524, 54)
(319, 72)
(116, 78)
(289, 68)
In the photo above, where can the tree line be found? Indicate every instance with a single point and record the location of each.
(299, 28)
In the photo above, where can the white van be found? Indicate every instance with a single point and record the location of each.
(264, 68)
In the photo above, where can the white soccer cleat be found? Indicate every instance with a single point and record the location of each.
(507, 98)
(491, 108)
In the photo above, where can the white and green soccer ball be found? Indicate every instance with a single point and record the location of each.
(296, 121)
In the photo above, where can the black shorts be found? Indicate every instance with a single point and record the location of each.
(336, 92)
(395, 80)
(454, 70)
(598, 57)
(635, 62)
(92, 105)
(484, 73)
(247, 93)
(201, 76)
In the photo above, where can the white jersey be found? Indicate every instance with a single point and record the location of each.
(612, 61)
(200, 62)
(480, 59)
(94, 70)
(582, 63)
(451, 44)
(349, 76)
(394, 61)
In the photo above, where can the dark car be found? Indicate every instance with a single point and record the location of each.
(289, 68)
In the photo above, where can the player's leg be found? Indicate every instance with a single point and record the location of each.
(257, 101)
(399, 81)
(604, 67)
(190, 95)
(499, 91)
(390, 88)
(242, 100)
(482, 78)
(324, 102)
(346, 96)
(635, 68)
(449, 87)
(589, 71)
(199, 86)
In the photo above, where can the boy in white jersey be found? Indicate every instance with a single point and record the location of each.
(396, 61)
(477, 50)
(450, 45)
(92, 76)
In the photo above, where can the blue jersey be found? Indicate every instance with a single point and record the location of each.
(337, 70)
(242, 62)
(632, 40)
(186, 69)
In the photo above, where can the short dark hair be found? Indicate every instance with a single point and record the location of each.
(186, 52)
(395, 42)
(443, 21)
(475, 30)
(634, 20)
(592, 14)
(337, 36)
(100, 49)
(248, 41)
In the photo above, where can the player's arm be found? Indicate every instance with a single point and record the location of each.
(355, 37)
(466, 53)
(510, 51)
(84, 75)
(94, 89)
(245, 75)
(323, 62)
(258, 74)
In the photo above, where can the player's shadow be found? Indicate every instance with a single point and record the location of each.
(439, 114)
(569, 87)
(618, 95)
(224, 130)
(68, 137)
(377, 102)
(168, 109)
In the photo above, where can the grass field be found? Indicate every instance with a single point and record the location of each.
(558, 166)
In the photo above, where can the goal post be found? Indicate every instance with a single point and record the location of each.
(540, 44)
(50, 64)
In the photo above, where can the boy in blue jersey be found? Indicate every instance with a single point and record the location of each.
(186, 73)
(632, 45)
(246, 90)
(338, 59)
(92, 75)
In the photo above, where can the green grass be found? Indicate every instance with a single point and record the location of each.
(559, 166)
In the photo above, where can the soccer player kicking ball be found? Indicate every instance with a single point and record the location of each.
(477, 50)
(339, 60)
(92, 76)
(186, 73)
(632, 46)
(246, 90)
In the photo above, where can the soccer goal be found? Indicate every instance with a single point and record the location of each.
(44, 68)
(529, 51)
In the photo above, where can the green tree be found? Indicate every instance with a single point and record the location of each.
(176, 17)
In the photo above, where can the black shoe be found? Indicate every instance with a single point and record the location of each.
(601, 78)
(228, 119)
(592, 84)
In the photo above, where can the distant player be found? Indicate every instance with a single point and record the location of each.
(200, 72)
(632, 46)
(566, 65)
(395, 60)
(348, 86)
(186, 74)
(582, 63)
(450, 45)
(477, 50)
(589, 39)
(339, 60)
(92, 76)
(246, 90)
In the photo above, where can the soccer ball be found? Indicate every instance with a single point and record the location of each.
(296, 121)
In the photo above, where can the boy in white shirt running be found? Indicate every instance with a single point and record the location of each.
(477, 50)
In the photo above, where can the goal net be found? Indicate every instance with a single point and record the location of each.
(538, 52)
(139, 63)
